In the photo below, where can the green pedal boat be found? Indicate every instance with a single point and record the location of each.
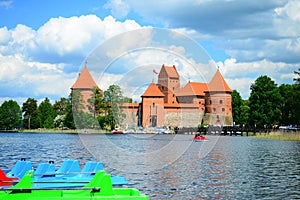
(100, 187)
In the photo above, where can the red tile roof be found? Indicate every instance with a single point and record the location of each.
(171, 71)
(193, 88)
(153, 91)
(218, 83)
(84, 80)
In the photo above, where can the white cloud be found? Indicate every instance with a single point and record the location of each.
(36, 63)
(20, 78)
(118, 8)
(129, 41)
(4, 35)
(240, 75)
(246, 30)
(62, 39)
(288, 14)
(242, 85)
(40, 61)
(6, 4)
(66, 35)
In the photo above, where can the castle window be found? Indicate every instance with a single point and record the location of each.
(153, 105)
(214, 109)
(223, 109)
(210, 102)
(221, 101)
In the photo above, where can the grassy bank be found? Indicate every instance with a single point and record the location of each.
(290, 136)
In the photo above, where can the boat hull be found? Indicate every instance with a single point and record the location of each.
(200, 138)
(99, 187)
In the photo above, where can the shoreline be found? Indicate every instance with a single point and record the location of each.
(283, 136)
(68, 131)
(279, 135)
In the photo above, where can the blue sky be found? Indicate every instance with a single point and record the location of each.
(44, 44)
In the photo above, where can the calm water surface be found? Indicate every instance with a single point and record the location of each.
(173, 167)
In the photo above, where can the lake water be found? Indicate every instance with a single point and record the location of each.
(172, 166)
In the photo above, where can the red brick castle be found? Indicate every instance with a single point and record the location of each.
(167, 104)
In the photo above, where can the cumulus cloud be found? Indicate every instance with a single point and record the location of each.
(240, 75)
(6, 4)
(20, 78)
(261, 38)
(246, 30)
(77, 36)
(118, 8)
(45, 62)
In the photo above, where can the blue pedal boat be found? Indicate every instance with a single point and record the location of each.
(68, 175)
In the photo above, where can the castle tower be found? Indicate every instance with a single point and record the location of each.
(169, 83)
(152, 107)
(85, 84)
(218, 101)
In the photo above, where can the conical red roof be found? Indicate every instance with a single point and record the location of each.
(193, 88)
(153, 91)
(218, 84)
(84, 80)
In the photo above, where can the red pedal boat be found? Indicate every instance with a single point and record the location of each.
(6, 181)
(199, 137)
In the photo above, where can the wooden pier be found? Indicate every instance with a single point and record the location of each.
(224, 130)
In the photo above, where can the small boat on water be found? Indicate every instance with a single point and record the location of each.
(6, 181)
(100, 187)
(117, 131)
(68, 175)
(199, 137)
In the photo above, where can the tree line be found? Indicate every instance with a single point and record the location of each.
(66, 113)
(268, 104)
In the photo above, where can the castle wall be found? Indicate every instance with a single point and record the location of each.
(218, 103)
(152, 111)
(183, 119)
(131, 114)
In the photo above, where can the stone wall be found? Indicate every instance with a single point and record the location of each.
(183, 119)
(217, 119)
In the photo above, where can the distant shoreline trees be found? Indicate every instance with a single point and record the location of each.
(268, 104)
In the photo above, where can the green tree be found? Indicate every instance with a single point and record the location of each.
(236, 106)
(113, 96)
(77, 101)
(95, 103)
(61, 105)
(47, 113)
(297, 96)
(290, 106)
(10, 115)
(244, 109)
(68, 120)
(29, 109)
(61, 108)
(265, 102)
(297, 79)
(74, 112)
(36, 121)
